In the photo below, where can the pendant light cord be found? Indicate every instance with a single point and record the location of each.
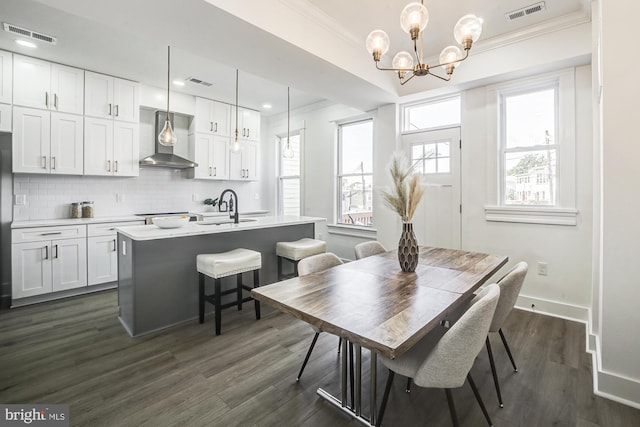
(288, 119)
(236, 105)
(168, 77)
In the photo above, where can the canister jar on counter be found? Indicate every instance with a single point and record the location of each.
(76, 210)
(87, 209)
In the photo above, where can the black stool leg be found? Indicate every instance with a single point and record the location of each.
(217, 306)
(494, 373)
(256, 284)
(279, 268)
(239, 290)
(295, 268)
(201, 297)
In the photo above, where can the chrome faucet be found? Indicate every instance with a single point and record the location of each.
(233, 210)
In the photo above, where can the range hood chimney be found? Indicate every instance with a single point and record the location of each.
(164, 157)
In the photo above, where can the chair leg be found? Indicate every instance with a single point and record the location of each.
(408, 388)
(385, 397)
(506, 346)
(452, 408)
(217, 306)
(239, 290)
(279, 268)
(256, 284)
(306, 358)
(479, 399)
(201, 297)
(494, 373)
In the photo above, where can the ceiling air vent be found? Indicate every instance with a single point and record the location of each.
(29, 33)
(199, 82)
(525, 11)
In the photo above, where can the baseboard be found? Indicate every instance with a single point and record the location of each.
(553, 308)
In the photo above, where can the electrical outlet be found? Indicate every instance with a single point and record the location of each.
(21, 199)
(119, 198)
(124, 248)
(257, 196)
(195, 197)
(543, 268)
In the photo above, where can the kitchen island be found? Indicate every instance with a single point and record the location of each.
(157, 276)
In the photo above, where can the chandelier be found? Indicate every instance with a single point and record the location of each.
(413, 20)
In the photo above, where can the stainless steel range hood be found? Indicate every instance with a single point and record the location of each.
(164, 157)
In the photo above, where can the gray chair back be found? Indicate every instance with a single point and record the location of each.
(510, 286)
(318, 262)
(448, 364)
(366, 249)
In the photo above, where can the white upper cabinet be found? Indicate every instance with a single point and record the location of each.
(243, 163)
(212, 117)
(248, 124)
(211, 155)
(111, 147)
(41, 84)
(67, 144)
(6, 84)
(109, 97)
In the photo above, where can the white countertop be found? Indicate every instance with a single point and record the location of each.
(73, 221)
(152, 232)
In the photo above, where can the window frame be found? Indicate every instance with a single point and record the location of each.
(339, 175)
(436, 100)
(564, 212)
(280, 177)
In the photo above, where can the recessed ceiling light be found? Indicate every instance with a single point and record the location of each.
(26, 43)
(266, 106)
(178, 82)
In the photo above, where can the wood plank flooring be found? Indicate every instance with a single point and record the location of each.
(75, 351)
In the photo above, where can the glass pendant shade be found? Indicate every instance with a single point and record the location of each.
(167, 136)
(414, 16)
(451, 54)
(402, 60)
(287, 152)
(235, 147)
(377, 42)
(469, 26)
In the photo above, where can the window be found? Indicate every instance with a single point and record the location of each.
(289, 177)
(432, 157)
(433, 114)
(355, 173)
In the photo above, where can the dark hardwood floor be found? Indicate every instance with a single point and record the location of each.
(74, 351)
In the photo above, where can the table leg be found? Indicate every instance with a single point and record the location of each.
(373, 376)
(358, 400)
(345, 366)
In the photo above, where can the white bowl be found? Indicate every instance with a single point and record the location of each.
(170, 221)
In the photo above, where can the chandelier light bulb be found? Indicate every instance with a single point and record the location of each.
(451, 55)
(402, 60)
(467, 30)
(377, 43)
(167, 136)
(414, 19)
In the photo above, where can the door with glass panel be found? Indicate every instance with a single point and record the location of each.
(436, 156)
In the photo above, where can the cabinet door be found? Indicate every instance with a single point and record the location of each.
(126, 100)
(67, 143)
(31, 140)
(250, 160)
(30, 269)
(31, 82)
(98, 95)
(68, 264)
(204, 116)
(220, 158)
(98, 146)
(5, 118)
(236, 171)
(202, 144)
(6, 83)
(221, 117)
(102, 259)
(67, 89)
(126, 149)
(250, 124)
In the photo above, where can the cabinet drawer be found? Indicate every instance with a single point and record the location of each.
(36, 234)
(108, 228)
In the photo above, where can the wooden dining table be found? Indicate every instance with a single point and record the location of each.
(372, 304)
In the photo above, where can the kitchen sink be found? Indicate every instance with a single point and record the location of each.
(223, 221)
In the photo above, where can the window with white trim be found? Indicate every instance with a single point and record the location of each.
(355, 173)
(431, 114)
(289, 176)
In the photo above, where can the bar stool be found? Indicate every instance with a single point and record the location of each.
(222, 265)
(295, 251)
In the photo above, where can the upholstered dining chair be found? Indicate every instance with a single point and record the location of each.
(366, 249)
(510, 286)
(314, 264)
(443, 360)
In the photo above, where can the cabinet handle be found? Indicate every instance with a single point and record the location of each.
(215, 171)
(46, 99)
(45, 162)
(215, 127)
(109, 109)
(53, 162)
(56, 248)
(210, 126)
(210, 171)
(244, 131)
(117, 110)
(115, 245)
(115, 169)
(55, 100)
(108, 165)
(46, 252)
(248, 132)
(53, 233)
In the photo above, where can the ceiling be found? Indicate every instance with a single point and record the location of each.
(314, 46)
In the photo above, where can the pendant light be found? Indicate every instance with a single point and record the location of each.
(236, 145)
(288, 153)
(167, 136)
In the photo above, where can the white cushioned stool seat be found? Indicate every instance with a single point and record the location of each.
(228, 263)
(300, 248)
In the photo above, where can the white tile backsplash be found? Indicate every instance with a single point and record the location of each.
(155, 190)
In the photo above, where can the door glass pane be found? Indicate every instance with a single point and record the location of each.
(416, 158)
(444, 165)
(531, 177)
(530, 119)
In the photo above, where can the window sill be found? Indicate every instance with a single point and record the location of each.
(531, 215)
(352, 231)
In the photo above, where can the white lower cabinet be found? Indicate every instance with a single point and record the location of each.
(102, 251)
(48, 259)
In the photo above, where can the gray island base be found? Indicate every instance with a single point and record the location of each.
(157, 276)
